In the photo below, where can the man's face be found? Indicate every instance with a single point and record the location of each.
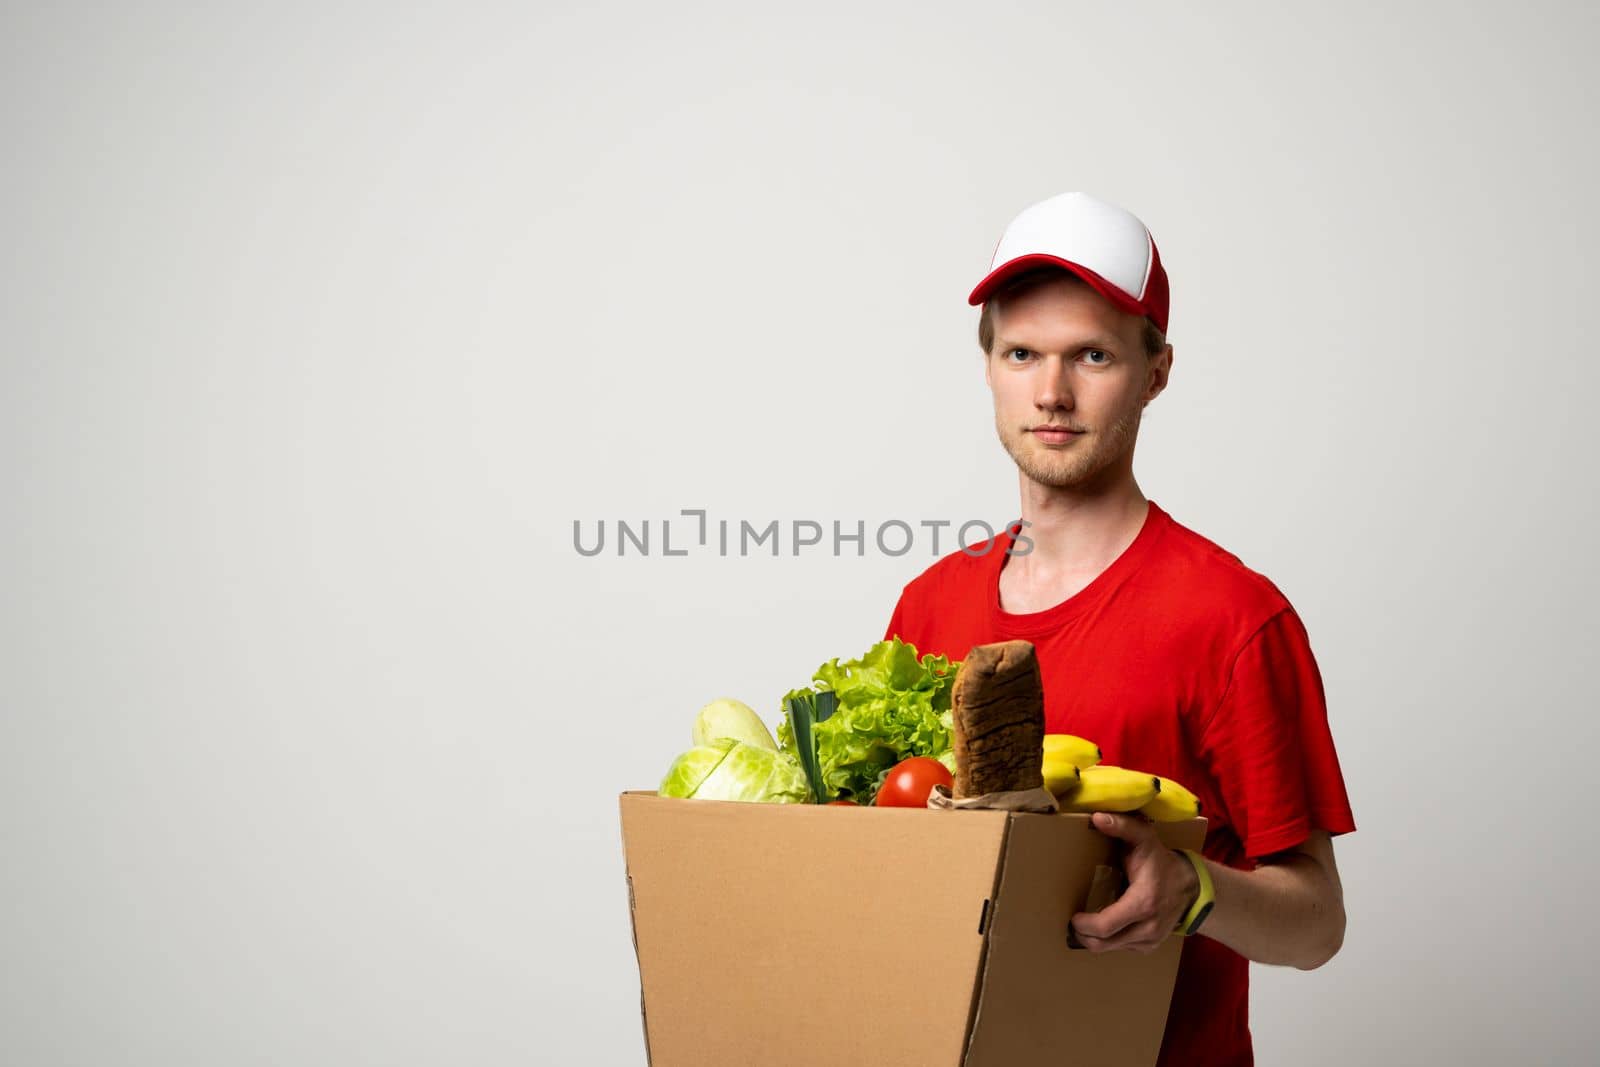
(1070, 380)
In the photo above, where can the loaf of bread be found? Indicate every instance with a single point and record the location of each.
(998, 717)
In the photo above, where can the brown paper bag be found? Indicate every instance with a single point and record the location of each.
(1036, 800)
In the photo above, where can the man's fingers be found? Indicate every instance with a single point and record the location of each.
(1111, 920)
(1143, 936)
(1129, 922)
(1131, 828)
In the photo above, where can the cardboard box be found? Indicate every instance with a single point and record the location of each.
(779, 934)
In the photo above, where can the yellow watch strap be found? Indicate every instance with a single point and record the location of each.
(1203, 902)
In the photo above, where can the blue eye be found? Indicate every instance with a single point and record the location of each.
(1014, 351)
(1098, 351)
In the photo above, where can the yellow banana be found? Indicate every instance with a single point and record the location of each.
(1173, 804)
(1103, 788)
(1060, 774)
(1082, 754)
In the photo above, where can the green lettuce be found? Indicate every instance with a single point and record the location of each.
(893, 704)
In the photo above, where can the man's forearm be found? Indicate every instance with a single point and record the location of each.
(1285, 912)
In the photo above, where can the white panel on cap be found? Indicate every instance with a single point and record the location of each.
(1076, 227)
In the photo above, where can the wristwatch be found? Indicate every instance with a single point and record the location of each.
(1201, 907)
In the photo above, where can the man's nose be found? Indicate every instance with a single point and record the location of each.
(1054, 389)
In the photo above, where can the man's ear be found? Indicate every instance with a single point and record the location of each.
(988, 375)
(1160, 367)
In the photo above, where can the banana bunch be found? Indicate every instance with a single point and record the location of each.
(1081, 783)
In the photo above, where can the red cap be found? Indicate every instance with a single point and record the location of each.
(1101, 243)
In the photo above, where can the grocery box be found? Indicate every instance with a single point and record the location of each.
(778, 934)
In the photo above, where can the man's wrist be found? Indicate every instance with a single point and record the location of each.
(1191, 883)
(1199, 896)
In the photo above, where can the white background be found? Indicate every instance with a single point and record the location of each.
(321, 324)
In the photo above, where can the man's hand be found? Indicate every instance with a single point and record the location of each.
(1162, 886)
(1288, 911)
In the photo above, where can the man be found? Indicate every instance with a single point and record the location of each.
(1152, 641)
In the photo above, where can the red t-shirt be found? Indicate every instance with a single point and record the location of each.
(1181, 661)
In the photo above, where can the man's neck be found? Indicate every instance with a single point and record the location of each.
(1076, 534)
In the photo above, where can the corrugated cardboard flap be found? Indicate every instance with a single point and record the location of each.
(1040, 1000)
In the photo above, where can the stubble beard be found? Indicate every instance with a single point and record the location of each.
(1072, 467)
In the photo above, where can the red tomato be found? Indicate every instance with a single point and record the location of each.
(909, 782)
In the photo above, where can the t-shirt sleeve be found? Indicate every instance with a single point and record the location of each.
(1268, 745)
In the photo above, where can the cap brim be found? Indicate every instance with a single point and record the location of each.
(1012, 267)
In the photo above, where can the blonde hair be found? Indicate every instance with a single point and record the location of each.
(1154, 340)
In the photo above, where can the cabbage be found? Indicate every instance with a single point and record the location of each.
(733, 770)
(692, 768)
(731, 718)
